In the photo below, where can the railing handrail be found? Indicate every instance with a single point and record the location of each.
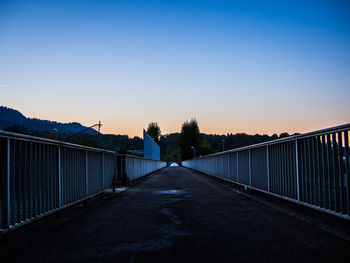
(289, 138)
(138, 157)
(24, 137)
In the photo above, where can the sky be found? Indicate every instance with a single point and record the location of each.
(236, 66)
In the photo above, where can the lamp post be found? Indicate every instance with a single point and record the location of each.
(99, 124)
(223, 144)
(194, 151)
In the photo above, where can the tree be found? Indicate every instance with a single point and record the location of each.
(189, 137)
(284, 135)
(154, 131)
(17, 129)
(274, 137)
(205, 149)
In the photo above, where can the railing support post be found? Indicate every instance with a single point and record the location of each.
(297, 169)
(59, 177)
(228, 167)
(268, 168)
(124, 166)
(250, 170)
(86, 174)
(103, 171)
(115, 171)
(237, 169)
(6, 188)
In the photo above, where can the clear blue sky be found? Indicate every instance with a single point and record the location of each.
(236, 66)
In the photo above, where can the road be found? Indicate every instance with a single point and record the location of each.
(175, 215)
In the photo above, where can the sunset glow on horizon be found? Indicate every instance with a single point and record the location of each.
(236, 66)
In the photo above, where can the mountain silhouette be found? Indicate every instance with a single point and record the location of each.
(10, 117)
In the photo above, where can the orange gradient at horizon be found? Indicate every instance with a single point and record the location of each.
(301, 128)
(213, 120)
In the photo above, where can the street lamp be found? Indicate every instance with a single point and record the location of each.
(223, 144)
(99, 124)
(194, 151)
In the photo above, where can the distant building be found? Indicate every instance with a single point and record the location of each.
(151, 149)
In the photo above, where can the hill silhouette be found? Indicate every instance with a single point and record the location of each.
(10, 117)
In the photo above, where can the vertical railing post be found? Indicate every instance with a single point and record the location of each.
(228, 167)
(103, 171)
(120, 169)
(6, 193)
(237, 168)
(86, 174)
(250, 170)
(125, 175)
(297, 169)
(59, 177)
(268, 168)
(115, 171)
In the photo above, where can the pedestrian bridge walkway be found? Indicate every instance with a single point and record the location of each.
(177, 215)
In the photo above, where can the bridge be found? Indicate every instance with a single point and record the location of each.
(284, 200)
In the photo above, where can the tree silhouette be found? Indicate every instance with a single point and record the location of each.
(189, 137)
(205, 149)
(284, 135)
(154, 131)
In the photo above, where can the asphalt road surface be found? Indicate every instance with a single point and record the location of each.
(175, 215)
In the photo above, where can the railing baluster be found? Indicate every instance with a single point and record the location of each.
(86, 174)
(103, 171)
(237, 168)
(347, 170)
(297, 170)
(6, 186)
(268, 168)
(319, 170)
(341, 174)
(325, 171)
(250, 169)
(59, 177)
(335, 171)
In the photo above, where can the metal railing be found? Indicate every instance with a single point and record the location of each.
(133, 167)
(311, 169)
(39, 176)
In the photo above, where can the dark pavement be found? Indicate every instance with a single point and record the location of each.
(175, 215)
